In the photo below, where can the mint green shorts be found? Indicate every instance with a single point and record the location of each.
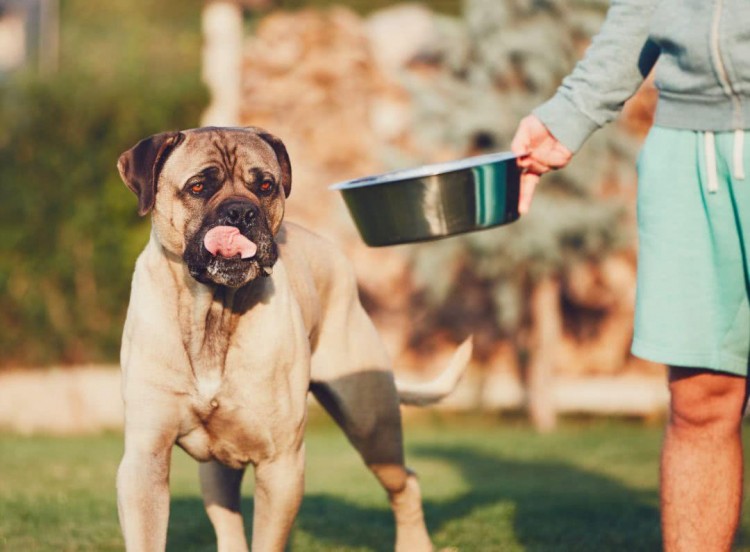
(692, 306)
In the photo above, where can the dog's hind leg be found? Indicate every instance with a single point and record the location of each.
(351, 377)
(220, 486)
(366, 406)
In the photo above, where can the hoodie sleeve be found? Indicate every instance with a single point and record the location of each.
(618, 59)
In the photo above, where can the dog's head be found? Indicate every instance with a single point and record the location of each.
(217, 198)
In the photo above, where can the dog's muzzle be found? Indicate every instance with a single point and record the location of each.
(217, 254)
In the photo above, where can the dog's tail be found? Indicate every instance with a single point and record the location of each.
(430, 392)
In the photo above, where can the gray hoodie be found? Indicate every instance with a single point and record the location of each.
(701, 49)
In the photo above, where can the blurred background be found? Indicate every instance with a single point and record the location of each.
(353, 88)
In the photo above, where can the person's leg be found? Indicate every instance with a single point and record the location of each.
(692, 309)
(701, 463)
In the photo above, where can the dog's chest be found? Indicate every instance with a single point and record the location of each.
(240, 407)
(225, 428)
(207, 330)
(249, 367)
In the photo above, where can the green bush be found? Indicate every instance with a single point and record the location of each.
(69, 227)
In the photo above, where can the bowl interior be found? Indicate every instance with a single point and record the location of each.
(425, 170)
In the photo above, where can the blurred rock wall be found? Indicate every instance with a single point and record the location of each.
(353, 96)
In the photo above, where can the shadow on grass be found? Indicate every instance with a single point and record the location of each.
(543, 505)
(555, 506)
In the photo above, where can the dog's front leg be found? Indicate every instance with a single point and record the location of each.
(279, 484)
(143, 491)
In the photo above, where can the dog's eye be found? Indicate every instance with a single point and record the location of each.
(197, 187)
(266, 186)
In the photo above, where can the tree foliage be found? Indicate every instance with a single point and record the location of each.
(485, 71)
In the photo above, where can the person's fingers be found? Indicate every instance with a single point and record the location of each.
(552, 153)
(532, 165)
(533, 138)
(523, 161)
(528, 185)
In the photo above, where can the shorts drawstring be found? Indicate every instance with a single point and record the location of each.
(712, 170)
(738, 159)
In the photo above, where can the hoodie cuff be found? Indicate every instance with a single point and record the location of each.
(566, 122)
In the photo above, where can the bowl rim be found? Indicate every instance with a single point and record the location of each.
(422, 171)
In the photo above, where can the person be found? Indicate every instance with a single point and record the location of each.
(692, 309)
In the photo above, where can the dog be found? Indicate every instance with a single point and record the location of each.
(234, 316)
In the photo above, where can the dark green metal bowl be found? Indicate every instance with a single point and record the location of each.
(434, 201)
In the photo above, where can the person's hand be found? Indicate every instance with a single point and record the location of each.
(538, 152)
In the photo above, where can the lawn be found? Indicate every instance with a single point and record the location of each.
(489, 484)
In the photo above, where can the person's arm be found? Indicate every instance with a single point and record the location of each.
(619, 58)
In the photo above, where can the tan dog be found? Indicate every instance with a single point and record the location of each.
(234, 316)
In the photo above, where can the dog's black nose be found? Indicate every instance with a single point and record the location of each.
(238, 213)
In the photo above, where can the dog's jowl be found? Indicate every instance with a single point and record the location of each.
(234, 317)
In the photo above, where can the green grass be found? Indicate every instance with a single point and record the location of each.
(487, 484)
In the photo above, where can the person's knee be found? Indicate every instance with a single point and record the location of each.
(705, 401)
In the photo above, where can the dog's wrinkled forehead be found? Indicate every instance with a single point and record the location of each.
(169, 158)
(235, 152)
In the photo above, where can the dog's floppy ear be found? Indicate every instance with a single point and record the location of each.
(141, 165)
(281, 155)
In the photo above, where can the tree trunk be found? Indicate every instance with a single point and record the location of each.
(222, 61)
(544, 343)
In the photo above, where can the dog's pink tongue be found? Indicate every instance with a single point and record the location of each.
(226, 241)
